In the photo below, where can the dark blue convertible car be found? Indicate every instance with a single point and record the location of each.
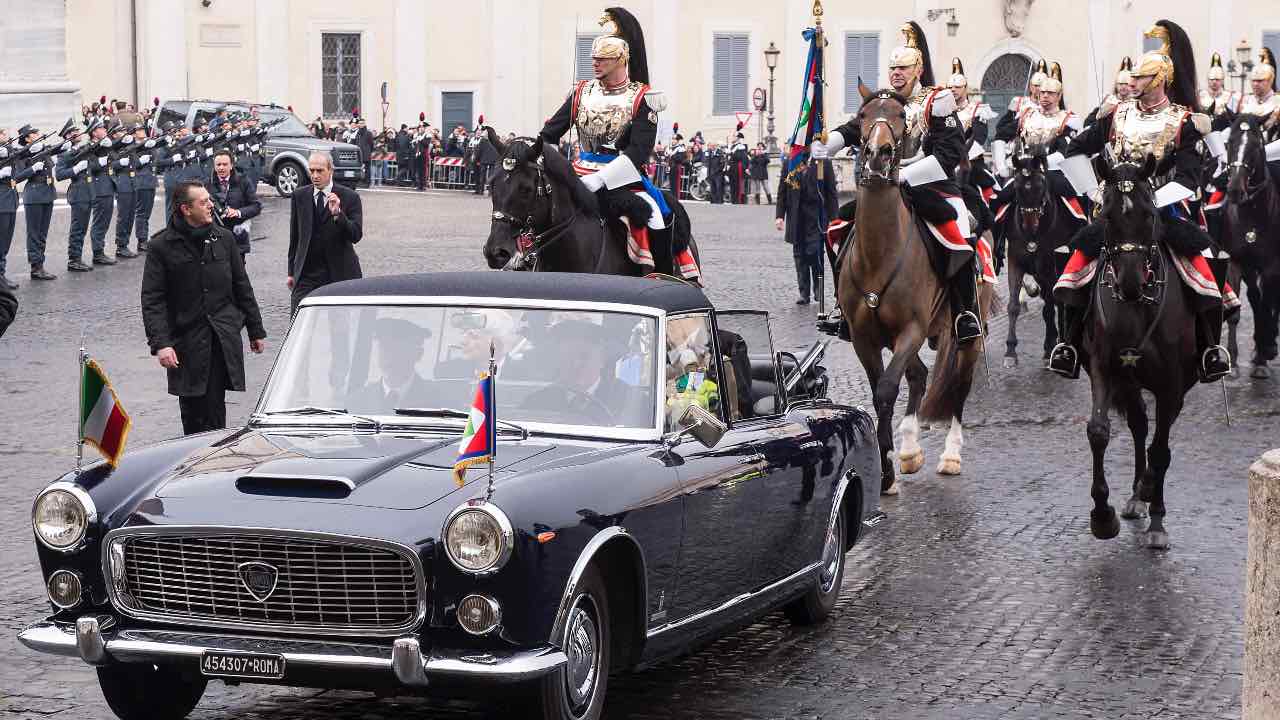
(662, 477)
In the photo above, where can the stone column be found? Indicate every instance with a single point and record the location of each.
(1262, 592)
(34, 87)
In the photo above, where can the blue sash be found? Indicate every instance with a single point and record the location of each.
(649, 188)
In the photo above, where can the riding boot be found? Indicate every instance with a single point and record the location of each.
(962, 292)
(1215, 361)
(1065, 358)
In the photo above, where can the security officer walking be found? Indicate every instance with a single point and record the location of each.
(79, 197)
(126, 197)
(37, 201)
(8, 210)
(144, 187)
(104, 194)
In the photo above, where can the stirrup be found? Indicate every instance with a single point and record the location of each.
(973, 330)
(1065, 361)
(1215, 363)
(833, 324)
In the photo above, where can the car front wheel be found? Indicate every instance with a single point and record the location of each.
(150, 692)
(818, 602)
(288, 178)
(576, 691)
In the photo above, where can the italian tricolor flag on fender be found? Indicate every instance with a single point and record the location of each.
(103, 421)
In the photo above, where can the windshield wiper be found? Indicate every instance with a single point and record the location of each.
(314, 410)
(451, 413)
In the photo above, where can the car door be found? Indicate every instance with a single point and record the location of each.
(717, 558)
(790, 515)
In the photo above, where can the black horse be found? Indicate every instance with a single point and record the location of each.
(544, 219)
(1036, 225)
(1251, 234)
(1139, 335)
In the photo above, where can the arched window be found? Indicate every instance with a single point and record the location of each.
(1005, 79)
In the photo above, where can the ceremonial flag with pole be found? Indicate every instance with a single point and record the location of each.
(103, 422)
(480, 438)
(811, 123)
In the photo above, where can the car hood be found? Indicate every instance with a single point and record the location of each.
(382, 470)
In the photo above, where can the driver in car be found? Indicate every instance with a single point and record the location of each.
(401, 344)
(584, 388)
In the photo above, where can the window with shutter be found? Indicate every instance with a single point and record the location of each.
(729, 72)
(339, 73)
(455, 110)
(861, 60)
(582, 58)
(1271, 39)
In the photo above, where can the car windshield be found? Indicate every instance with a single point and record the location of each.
(291, 126)
(401, 364)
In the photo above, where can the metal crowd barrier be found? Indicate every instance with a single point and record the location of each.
(449, 173)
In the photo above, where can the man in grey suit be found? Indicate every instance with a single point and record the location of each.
(325, 223)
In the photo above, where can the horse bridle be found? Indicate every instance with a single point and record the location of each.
(1039, 211)
(889, 176)
(1249, 172)
(529, 242)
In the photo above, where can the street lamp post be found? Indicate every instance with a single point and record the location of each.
(771, 61)
(1240, 66)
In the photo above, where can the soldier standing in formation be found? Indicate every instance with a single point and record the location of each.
(8, 208)
(37, 202)
(144, 187)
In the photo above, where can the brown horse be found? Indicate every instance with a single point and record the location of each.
(892, 298)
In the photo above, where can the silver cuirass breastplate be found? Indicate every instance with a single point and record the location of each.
(603, 115)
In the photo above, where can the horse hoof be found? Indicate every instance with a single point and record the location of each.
(1010, 362)
(1260, 372)
(1157, 539)
(1104, 525)
(949, 466)
(1134, 509)
(911, 464)
(892, 490)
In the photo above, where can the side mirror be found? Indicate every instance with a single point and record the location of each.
(704, 426)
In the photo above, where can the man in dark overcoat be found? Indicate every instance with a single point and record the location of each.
(805, 206)
(196, 297)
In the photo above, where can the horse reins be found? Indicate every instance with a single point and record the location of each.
(530, 243)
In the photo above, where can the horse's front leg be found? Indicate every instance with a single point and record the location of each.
(873, 365)
(1102, 519)
(905, 349)
(1014, 309)
(1168, 407)
(911, 455)
(1136, 414)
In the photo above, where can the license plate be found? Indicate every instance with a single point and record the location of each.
(216, 663)
(348, 173)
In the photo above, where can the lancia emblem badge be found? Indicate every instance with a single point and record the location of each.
(258, 578)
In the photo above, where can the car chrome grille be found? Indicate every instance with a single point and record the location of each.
(327, 585)
(346, 157)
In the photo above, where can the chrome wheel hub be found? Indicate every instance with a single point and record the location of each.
(831, 556)
(582, 645)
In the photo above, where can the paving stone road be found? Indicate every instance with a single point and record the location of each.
(984, 596)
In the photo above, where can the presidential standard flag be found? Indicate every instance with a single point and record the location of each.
(810, 123)
(103, 422)
(480, 438)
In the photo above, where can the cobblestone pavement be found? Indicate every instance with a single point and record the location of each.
(984, 596)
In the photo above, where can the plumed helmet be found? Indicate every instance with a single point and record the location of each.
(1123, 76)
(155, 102)
(1265, 69)
(1038, 75)
(1053, 83)
(957, 74)
(422, 116)
(914, 51)
(1172, 65)
(1215, 68)
(623, 38)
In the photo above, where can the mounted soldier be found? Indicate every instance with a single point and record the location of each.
(1007, 127)
(1216, 100)
(616, 116)
(932, 147)
(976, 182)
(1156, 123)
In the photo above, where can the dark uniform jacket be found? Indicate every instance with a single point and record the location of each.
(39, 189)
(79, 192)
(338, 235)
(241, 196)
(102, 182)
(8, 308)
(9, 194)
(800, 206)
(144, 176)
(195, 292)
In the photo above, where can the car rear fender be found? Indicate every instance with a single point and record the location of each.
(620, 560)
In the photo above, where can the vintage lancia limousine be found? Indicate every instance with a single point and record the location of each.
(662, 476)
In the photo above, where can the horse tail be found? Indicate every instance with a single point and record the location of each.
(952, 376)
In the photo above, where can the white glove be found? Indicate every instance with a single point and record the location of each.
(126, 140)
(208, 152)
(6, 171)
(240, 147)
(191, 155)
(254, 147)
(593, 182)
(80, 167)
(37, 166)
(37, 148)
(144, 160)
(105, 143)
(124, 162)
(102, 162)
(4, 153)
(149, 144)
(818, 151)
(944, 103)
(67, 145)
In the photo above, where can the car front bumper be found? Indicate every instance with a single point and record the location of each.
(405, 659)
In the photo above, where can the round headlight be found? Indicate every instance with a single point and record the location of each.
(65, 589)
(477, 538)
(61, 516)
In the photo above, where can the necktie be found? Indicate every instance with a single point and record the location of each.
(319, 203)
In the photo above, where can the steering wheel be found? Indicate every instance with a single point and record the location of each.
(592, 403)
